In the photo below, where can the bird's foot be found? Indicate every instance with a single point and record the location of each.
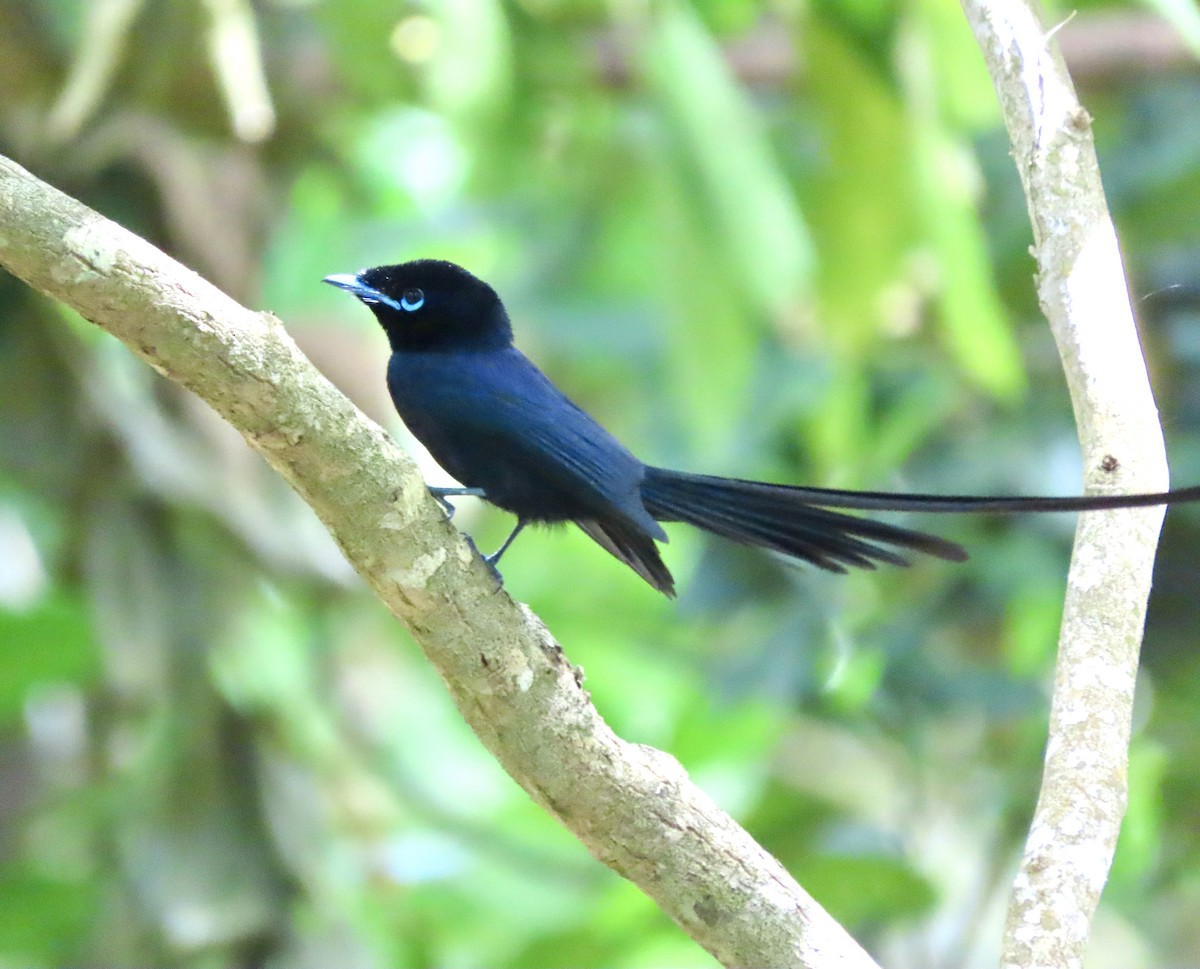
(488, 560)
(441, 494)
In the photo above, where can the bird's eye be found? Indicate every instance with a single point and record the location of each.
(412, 300)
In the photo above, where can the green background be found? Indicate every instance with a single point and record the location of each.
(780, 240)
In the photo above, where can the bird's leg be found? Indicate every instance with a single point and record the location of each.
(495, 556)
(441, 494)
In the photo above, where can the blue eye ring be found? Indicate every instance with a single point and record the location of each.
(412, 300)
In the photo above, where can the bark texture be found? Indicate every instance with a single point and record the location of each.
(1081, 287)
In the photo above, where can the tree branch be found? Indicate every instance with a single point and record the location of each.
(1081, 287)
(632, 806)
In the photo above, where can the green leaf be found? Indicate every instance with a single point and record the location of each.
(946, 180)
(470, 73)
(43, 920)
(49, 643)
(972, 318)
(965, 94)
(862, 211)
(709, 320)
(855, 890)
(1141, 831)
(740, 183)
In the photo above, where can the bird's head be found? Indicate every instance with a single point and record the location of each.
(431, 305)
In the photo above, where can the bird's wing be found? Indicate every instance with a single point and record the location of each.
(633, 547)
(509, 418)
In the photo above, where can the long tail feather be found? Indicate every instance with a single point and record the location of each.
(961, 504)
(785, 519)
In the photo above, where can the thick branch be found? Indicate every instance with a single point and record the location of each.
(1081, 286)
(632, 806)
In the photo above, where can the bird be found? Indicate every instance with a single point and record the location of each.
(498, 425)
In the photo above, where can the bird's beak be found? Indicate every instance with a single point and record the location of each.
(350, 283)
(368, 294)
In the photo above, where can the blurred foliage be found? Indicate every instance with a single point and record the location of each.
(780, 240)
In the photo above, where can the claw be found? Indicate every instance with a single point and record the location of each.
(441, 494)
(488, 560)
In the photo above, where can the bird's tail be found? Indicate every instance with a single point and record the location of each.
(787, 519)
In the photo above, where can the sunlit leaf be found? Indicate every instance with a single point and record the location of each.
(468, 73)
(946, 182)
(51, 643)
(754, 214)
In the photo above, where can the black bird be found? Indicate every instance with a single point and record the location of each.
(496, 423)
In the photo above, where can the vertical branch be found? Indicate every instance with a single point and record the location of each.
(1081, 288)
